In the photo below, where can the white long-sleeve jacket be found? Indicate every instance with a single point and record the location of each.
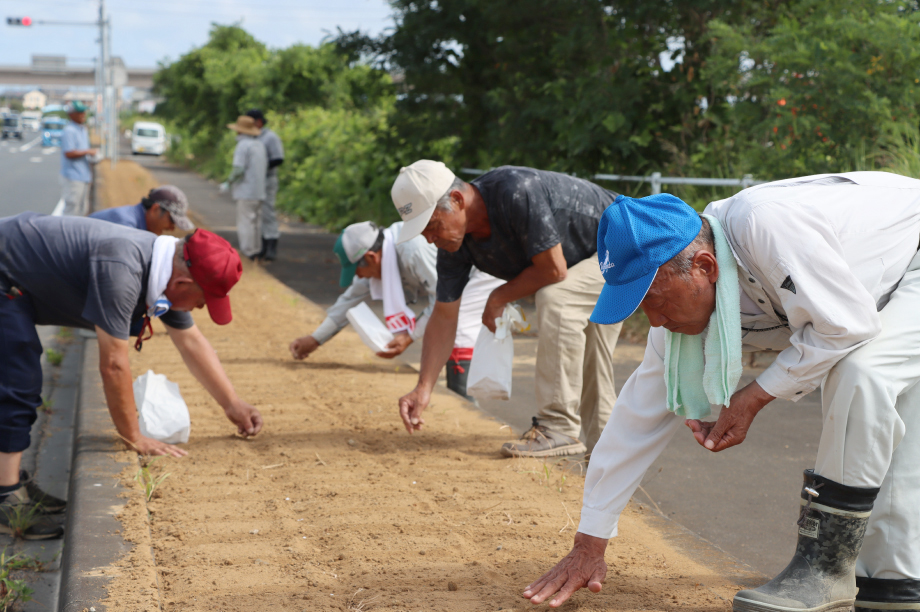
(818, 257)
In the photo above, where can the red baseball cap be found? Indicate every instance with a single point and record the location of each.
(216, 267)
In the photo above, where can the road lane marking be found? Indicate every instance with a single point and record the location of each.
(49, 150)
(35, 160)
(59, 209)
(28, 146)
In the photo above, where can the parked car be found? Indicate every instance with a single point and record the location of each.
(51, 130)
(12, 127)
(32, 120)
(148, 137)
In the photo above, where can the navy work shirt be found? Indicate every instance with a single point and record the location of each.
(130, 216)
(530, 211)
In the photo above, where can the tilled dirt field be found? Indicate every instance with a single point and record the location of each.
(335, 507)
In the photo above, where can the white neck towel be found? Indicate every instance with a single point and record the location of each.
(164, 249)
(389, 287)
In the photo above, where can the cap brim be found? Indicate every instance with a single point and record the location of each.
(219, 308)
(617, 302)
(416, 226)
(348, 274)
(183, 223)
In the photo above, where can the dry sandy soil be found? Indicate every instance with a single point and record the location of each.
(335, 507)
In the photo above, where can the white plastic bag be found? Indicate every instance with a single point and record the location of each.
(493, 357)
(161, 411)
(371, 329)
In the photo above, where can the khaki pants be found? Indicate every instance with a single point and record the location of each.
(574, 380)
(76, 198)
(248, 230)
(269, 217)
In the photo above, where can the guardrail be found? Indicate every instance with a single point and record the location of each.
(656, 180)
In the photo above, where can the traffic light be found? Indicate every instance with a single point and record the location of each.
(19, 21)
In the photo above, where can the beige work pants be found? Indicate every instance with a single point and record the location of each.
(76, 198)
(248, 226)
(574, 379)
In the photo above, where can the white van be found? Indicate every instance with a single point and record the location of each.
(148, 137)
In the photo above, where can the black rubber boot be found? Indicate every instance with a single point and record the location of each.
(889, 595)
(269, 249)
(457, 374)
(822, 574)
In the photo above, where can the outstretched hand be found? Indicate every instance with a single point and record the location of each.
(246, 417)
(734, 421)
(583, 567)
(411, 406)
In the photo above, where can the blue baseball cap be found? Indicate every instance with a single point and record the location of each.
(634, 238)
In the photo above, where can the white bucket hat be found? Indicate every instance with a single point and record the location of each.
(415, 193)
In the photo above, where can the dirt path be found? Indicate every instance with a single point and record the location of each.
(335, 507)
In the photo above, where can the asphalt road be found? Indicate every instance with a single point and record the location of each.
(744, 500)
(29, 175)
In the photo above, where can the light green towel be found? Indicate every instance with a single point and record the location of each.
(696, 376)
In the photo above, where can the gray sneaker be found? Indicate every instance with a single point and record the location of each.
(540, 441)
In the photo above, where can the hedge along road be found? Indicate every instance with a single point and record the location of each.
(744, 500)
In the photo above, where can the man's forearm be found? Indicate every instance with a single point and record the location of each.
(202, 361)
(437, 343)
(548, 267)
(117, 383)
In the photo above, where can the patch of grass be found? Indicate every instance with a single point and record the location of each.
(21, 517)
(148, 480)
(11, 589)
(54, 357)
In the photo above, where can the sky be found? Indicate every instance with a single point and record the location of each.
(145, 32)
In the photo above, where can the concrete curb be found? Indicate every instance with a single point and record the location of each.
(93, 542)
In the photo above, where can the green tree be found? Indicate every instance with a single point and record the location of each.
(831, 86)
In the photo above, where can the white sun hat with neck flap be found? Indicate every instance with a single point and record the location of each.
(415, 194)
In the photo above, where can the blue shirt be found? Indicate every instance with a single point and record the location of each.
(74, 137)
(132, 216)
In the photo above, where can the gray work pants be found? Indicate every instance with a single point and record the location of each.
(269, 218)
(76, 198)
(248, 231)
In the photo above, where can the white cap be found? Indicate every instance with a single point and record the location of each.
(415, 193)
(358, 238)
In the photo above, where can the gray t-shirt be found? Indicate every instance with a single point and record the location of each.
(80, 272)
(273, 148)
(530, 211)
(250, 155)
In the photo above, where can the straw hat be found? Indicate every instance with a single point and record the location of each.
(245, 125)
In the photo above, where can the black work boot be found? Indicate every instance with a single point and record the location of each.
(269, 249)
(457, 374)
(889, 595)
(822, 574)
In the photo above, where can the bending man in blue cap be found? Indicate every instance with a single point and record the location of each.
(809, 268)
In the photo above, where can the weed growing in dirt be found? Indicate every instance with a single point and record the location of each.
(12, 590)
(65, 333)
(354, 605)
(147, 479)
(21, 517)
(548, 475)
(54, 357)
